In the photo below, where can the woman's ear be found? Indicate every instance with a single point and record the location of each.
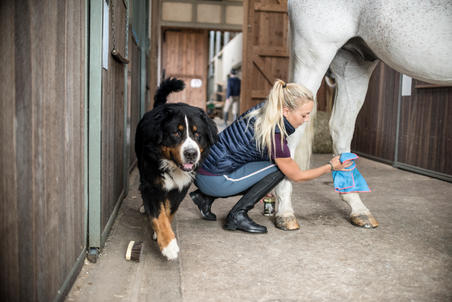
(285, 111)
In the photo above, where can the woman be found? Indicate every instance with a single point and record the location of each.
(251, 156)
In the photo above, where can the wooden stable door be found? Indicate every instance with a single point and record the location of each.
(265, 49)
(185, 56)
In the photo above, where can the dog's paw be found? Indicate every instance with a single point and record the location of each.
(154, 236)
(171, 250)
(142, 210)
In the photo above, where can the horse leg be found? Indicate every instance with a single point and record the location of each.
(285, 217)
(352, 74)
(310, 63)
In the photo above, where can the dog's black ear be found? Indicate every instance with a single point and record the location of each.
(157, 135)
(154, 129)
(212, 130)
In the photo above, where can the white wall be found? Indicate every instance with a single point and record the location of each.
(229, 57)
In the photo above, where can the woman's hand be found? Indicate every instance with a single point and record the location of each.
(338, 166)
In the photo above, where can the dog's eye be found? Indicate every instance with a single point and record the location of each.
(197, 136)
(177, 133)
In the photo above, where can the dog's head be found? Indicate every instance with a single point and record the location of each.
(183, 134)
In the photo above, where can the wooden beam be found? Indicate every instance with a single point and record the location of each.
(259, 94)
(261, 66)
(271, 51)
(274, 8)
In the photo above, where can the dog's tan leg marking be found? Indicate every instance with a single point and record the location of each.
(165, 235)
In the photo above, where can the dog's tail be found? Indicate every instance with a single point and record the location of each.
(168, 86)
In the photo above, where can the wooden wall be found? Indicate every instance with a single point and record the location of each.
(424, 140)
(265, 49)
(113, 129)
(375, 130)
(42, 87)
(134, 93)
(185, 56)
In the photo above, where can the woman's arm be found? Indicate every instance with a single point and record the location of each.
(290, 168)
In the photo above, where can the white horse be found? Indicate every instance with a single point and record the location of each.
(349, 36)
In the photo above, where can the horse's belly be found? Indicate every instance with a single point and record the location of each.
(413, 39)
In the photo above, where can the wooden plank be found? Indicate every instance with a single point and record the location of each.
(265, 49)
(425, 131)
(113, 156)
(259, 94)
(271, 51)
(9, 228)
(375, 129)
(75, 210)
(153, 53)
(263, 68)
(245, 91)
(422, 85)
(184, 56)
(134, 96)
(271, 7)
(24, 156)
(42, 150)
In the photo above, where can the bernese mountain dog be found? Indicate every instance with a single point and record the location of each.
(171, 142)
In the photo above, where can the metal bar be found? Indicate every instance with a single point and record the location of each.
(399, 106)
(127, 129)
(373, 157)
(210, 26)
(95, 123)
(143, 81)
(86, 130)
(211, 51)
(113, 216)
(431, 173)
(70, 278)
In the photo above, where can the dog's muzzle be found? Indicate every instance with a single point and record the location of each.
(191, 158)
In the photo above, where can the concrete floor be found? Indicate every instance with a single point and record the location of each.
(407, 258)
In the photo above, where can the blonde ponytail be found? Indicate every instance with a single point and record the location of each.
(270, 115)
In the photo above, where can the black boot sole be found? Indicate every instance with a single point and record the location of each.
(211, 217)
(206, 217)
(234, 227)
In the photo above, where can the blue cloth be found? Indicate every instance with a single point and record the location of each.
(233, 87)
(350, 181)
(235, 182)
(236, 146)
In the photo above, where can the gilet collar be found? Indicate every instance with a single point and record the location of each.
(289, 128)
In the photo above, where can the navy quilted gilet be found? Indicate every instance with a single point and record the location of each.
(236, 146)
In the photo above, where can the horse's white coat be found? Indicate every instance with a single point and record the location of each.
(412, 36)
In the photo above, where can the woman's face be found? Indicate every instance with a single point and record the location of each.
(299, 115)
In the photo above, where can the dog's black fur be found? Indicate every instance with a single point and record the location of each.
(168, 157)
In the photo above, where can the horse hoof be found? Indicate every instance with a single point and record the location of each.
(364, 221)
(289, 223)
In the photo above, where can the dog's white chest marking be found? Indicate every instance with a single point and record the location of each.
(175, 178)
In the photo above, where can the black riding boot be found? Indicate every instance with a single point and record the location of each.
(238, 218)
(204, 202)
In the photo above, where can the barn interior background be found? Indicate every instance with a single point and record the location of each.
(69, 111)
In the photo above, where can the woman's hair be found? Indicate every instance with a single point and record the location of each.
(270, 115)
